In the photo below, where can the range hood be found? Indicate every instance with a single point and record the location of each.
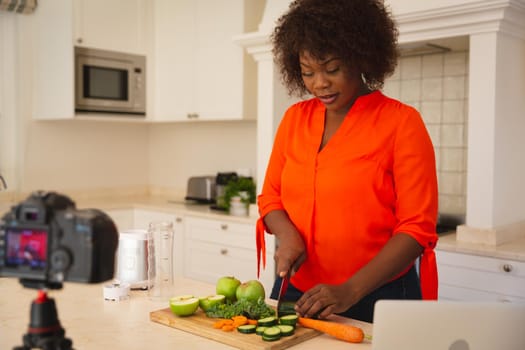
(418, 49)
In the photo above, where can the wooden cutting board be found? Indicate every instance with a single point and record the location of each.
(201, 325)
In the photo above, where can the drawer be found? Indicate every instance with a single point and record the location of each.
(207, 262)
(458, 293)
(228, 233)
(123, 218)
(469, 277)
(482, 263)
(143, 218)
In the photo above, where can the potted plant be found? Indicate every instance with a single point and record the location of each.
(240, 190)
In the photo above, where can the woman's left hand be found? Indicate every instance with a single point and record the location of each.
(323, 300)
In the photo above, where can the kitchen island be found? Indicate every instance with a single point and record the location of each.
(94, 323)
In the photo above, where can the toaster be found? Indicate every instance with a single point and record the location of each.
(201, 189)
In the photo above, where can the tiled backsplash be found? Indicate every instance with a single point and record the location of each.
(436, 85)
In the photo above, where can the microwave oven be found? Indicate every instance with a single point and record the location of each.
(109, 82)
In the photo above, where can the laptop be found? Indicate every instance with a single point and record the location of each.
(448, 325)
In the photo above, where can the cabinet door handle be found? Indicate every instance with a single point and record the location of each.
(79, 40)
(507, 267)
(224, 226)
(224, 251)
(178, 220)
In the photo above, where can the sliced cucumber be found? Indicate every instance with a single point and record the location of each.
(260, 330)
(267, 321)
(271, 334)
(247, 328)
(266, 338)
(286, 330)
(286, 308)
(290, 320)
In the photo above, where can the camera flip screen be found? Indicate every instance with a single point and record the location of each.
(26, 247)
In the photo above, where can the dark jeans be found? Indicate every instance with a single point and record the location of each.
(405, 287)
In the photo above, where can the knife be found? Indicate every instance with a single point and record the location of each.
(285, 307)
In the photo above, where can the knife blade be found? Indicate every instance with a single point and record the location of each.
(284, 286)
(281, 310)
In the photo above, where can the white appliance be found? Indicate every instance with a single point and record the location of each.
(132, 260)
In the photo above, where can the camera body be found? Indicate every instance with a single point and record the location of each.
(45, 241)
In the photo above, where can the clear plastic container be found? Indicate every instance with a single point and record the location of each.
(160, 256)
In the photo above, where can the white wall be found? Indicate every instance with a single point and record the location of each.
(178, 151)
(8, 122)
(84, 155)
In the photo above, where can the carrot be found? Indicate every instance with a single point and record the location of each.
(253, 322)
(218, 324)
(344, 332)
(228, 328)
(239, 320)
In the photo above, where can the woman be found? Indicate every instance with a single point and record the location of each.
(350, 190)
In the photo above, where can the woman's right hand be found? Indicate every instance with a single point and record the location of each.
(291, 250)
(290, 253)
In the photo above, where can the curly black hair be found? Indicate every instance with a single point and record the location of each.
(361, 33)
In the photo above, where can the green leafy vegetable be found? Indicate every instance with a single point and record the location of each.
(250, 309)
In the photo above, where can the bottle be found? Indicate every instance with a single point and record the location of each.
(160, 260)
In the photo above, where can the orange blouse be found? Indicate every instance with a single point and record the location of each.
(375, 178)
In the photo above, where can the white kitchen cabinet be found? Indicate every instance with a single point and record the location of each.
(216, 248)
(47, 40)
(123, 218)
(478, 278)
(117, 25)
(199, 73)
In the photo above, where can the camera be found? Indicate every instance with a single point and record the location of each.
(46, 241)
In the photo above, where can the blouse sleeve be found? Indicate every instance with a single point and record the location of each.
(270, 197)
(415, 179)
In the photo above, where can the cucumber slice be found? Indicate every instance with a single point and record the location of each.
(267, 321)
(272, 331)
(286, 330)
(260, 330)
(266, 338)
(286, 308)
(247, 328)
(289, 320)
(271, 334)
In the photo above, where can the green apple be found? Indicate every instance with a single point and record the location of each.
(211, 300)
(184, 305)
(227, 286)
(251, 290)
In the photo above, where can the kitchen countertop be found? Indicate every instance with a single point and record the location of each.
(162, 204)
(447, 242)
(514, 250)
(94, 323)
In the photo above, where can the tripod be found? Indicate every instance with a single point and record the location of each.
(44, 331)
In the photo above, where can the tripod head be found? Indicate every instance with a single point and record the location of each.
(45, 331)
